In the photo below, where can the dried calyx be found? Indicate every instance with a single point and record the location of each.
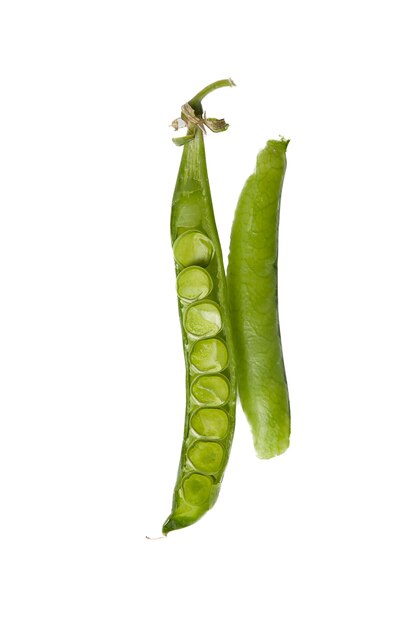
(193, 117)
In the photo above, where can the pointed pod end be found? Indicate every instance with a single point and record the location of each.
(172, 524)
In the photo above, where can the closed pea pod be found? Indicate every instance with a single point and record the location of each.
(253, 296)
(205, 321)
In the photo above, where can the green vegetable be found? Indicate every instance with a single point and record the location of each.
(206, 329)
(253, 297)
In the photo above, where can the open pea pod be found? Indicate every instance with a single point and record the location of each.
(205, 323)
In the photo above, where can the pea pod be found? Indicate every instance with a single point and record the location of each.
(253, 296)
(205, 323)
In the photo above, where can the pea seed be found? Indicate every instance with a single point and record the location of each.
(212, 390)
(196, 488)
(206, 456)
(210, 423)
(209, 355)
(193, 248)
(203, 319)
(193, 283)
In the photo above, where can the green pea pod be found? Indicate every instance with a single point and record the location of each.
(205, 323)
(253, 297)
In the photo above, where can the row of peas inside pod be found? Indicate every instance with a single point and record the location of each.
(207, 361)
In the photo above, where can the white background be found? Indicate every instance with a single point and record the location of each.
(92, 376)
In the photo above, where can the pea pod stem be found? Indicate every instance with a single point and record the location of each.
(195, 102)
